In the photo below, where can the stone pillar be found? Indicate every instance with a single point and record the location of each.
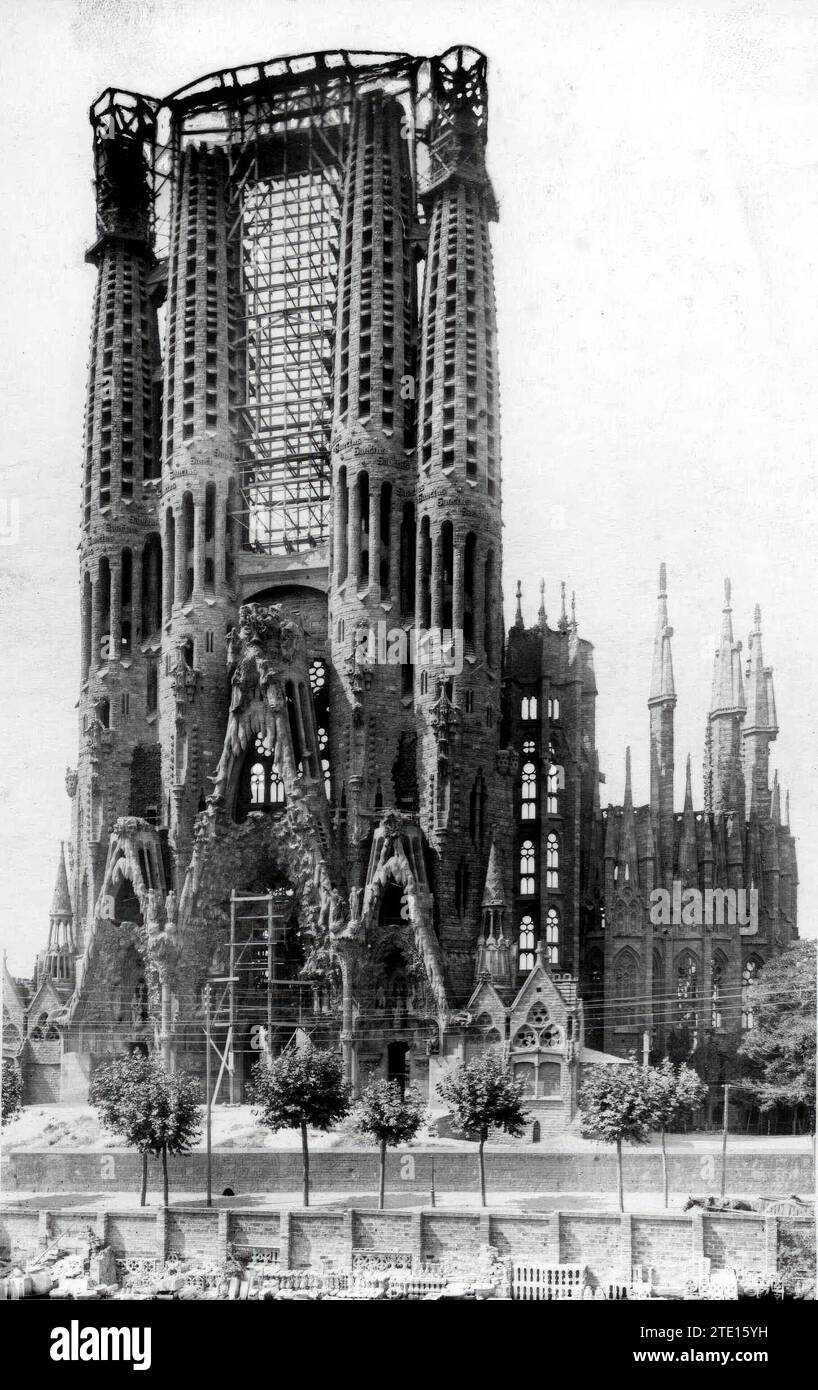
(220, 540)
(458, 596)
(199, 544)
(115, 631)
(96, 622)
(437, 578)
(375, 538)
(180, 577)
(136, 597)
(354, 534)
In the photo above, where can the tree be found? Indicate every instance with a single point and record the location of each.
(12, 1091)
(778, 1052)
(483, 1095)
(615, 1105)
(391, 1118)
(300, 1089)
(154, 1111)
(675, 1092)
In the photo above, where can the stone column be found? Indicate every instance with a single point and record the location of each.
(437, 578)
(375, 538)
(181, 554)
(115, 628)
(199, 544)
(354, 534)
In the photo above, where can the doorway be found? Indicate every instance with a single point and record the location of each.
(396, 1064)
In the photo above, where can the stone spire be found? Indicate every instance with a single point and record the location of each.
(58, 960)
(760, 727)
(723, 774)
(661, 704)
(494, 955)
(541, 615)
(688, 865)
(518, 618)
(628, 860)
(662, 687)
(563, 622)
(494, 892)
(61, 901)
(775, 806)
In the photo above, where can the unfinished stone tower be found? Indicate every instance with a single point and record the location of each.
(315, 784)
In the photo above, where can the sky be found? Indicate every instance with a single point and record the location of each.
(656, 166)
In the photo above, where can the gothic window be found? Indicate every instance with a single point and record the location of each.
(525, 1037)
(528, 708)
(554, 707)
(552, 862)
(424, 682)
(327, 778)
(257, 784)
(526, 944)
(749, 977)
(538, 1015)
(556, 782)
(529, 792)
(529, 746)
(493, 1036)
(552, 935)
(717, 991)
(551, 1036)
(261, 787)
(687, 979)
(489, 716)
(527, 868)
(626, 989)
(318, 676)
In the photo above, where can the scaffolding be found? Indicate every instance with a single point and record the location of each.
(256, 1002)
(284, 125)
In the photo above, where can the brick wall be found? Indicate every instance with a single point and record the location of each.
(339, 1170)
(606, 1243)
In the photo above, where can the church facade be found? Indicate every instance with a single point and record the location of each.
(319, 792)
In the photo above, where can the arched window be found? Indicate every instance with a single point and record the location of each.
(258, 786)
(687, 989)
(527, 868)
(717, 990)
(556, 782)
(552, 862)
(552, 935)
(528, 809)
(525, 1037)
(528, 708)
(749, 977)
(626, 988)
(526, 943)
(261, 787)
(554, 707)
(538, 1015)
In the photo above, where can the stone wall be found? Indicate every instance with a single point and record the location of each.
(341, 1170)
(607, 1243)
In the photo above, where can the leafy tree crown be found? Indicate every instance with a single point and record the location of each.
(483, 1095)
(616, 1103)
(304, 1086)
(389, 1116)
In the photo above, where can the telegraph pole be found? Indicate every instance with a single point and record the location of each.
(207, 1093)
(725, 1118)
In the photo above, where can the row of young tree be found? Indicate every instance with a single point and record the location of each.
(158, 1113)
